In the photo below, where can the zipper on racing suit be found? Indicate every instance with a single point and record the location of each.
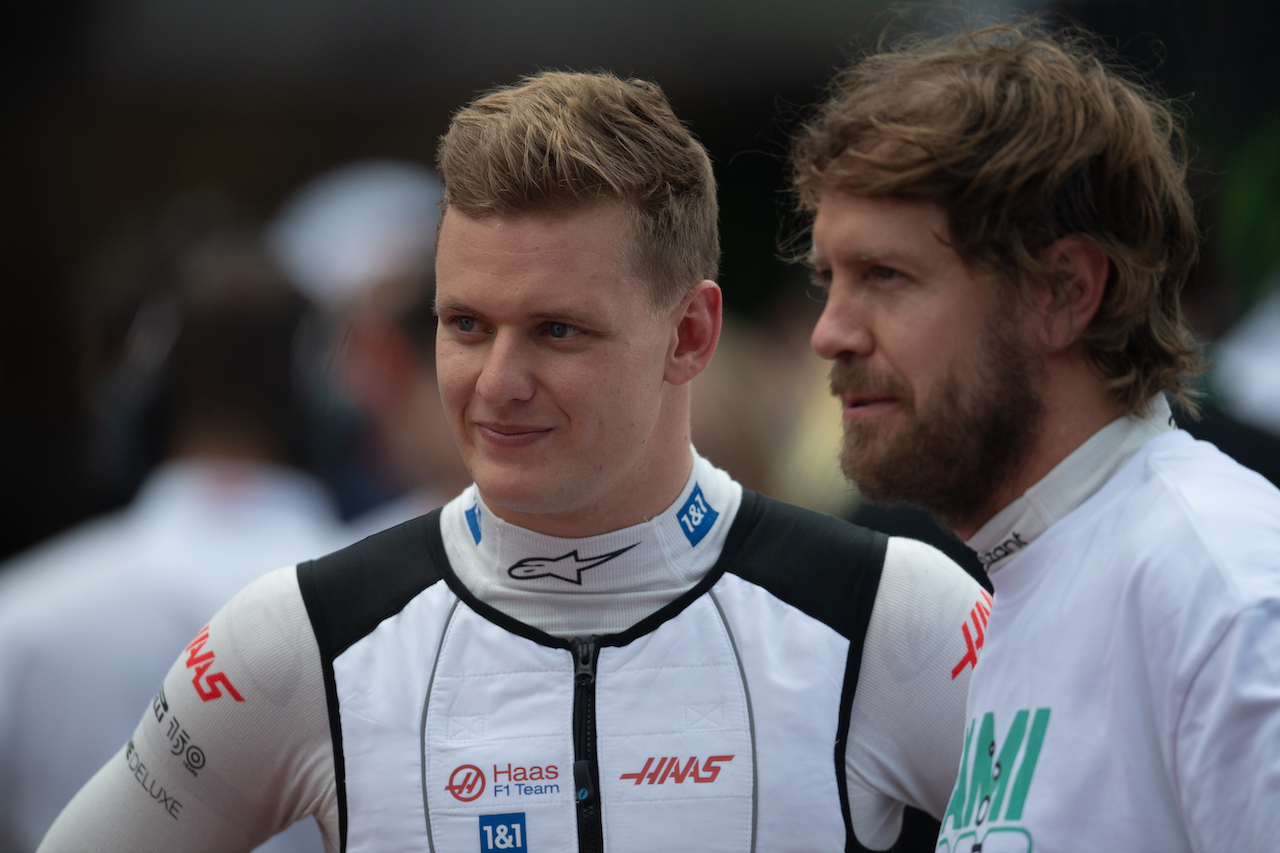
(586, 773)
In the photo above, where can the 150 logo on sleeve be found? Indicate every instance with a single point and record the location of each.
(502, 832)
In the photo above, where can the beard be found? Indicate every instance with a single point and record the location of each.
(953, 458)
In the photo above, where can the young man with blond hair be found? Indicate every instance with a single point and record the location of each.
(1002, 226)
(605, 642)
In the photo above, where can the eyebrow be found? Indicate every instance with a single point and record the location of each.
(568, 315)
(452, 307)
(873, 255)
(876, 255)
(571, 317)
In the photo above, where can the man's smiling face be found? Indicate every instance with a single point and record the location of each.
(551, 359)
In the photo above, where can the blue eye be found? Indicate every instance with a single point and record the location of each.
(558, 330)
(465, 324)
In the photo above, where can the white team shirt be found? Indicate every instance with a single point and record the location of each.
(1128, 696)
(904, 730)
(89, 621)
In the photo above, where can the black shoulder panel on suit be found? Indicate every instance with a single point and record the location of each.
(349, 592)
(823, 566)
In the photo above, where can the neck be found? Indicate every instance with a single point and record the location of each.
(1075, 404)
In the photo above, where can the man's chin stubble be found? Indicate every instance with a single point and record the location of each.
(955, 463)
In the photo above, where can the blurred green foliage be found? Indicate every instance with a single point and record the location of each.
(1250, 211)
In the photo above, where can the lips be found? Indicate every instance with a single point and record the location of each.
(510, 435)
(512, 429)
(858, 401)
(864, 407)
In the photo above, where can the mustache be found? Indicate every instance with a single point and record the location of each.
(856, 377)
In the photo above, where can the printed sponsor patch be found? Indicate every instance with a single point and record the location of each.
(208, 684)
(473, 520)
(179, 740)
(696, 517)
(1008, 547)
(502, 832)
(513, 781)
(973, 642)
(677, 770)
(568, 567)
(466, 783)
(150, 783)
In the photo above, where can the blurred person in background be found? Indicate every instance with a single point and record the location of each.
(199, 329)
(1003, 228)
(359, 240)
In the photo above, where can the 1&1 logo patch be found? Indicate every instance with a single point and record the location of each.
(502, 832)
(696, 517)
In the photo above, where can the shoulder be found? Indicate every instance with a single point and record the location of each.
(929, 613)
(1179, 544)
(1189, 511)
(349, 592)
(814, 562)
(925, 579)
(1222, 496)
(907, 719)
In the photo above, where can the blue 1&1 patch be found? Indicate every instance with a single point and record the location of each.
(696, 517)
(473, 520)
(502, 832)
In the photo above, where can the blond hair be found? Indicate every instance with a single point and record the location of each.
(559, 141)
(1023, 137)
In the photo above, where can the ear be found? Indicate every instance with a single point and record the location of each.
(1084, 268)
(696, 333)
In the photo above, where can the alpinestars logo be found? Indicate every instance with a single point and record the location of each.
(556, 567)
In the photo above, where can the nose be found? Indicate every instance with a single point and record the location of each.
(507, 375)
(842, 332)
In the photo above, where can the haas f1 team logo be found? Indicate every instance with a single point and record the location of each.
(466, 783)
(973, 642)
(670, 768)
(213, 682)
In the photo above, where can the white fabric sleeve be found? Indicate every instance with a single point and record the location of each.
(234, 747)
(1226, 742)
(906, 728)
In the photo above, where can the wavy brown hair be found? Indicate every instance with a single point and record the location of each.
(559, 141)
(1022, 137)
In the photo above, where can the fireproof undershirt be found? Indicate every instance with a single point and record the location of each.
(905, 728)
(1071, 482)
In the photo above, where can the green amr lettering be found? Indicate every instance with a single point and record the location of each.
(989, 779)
(992, 778)
(1023, 784)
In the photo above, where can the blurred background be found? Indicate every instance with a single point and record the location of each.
(115, 109)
